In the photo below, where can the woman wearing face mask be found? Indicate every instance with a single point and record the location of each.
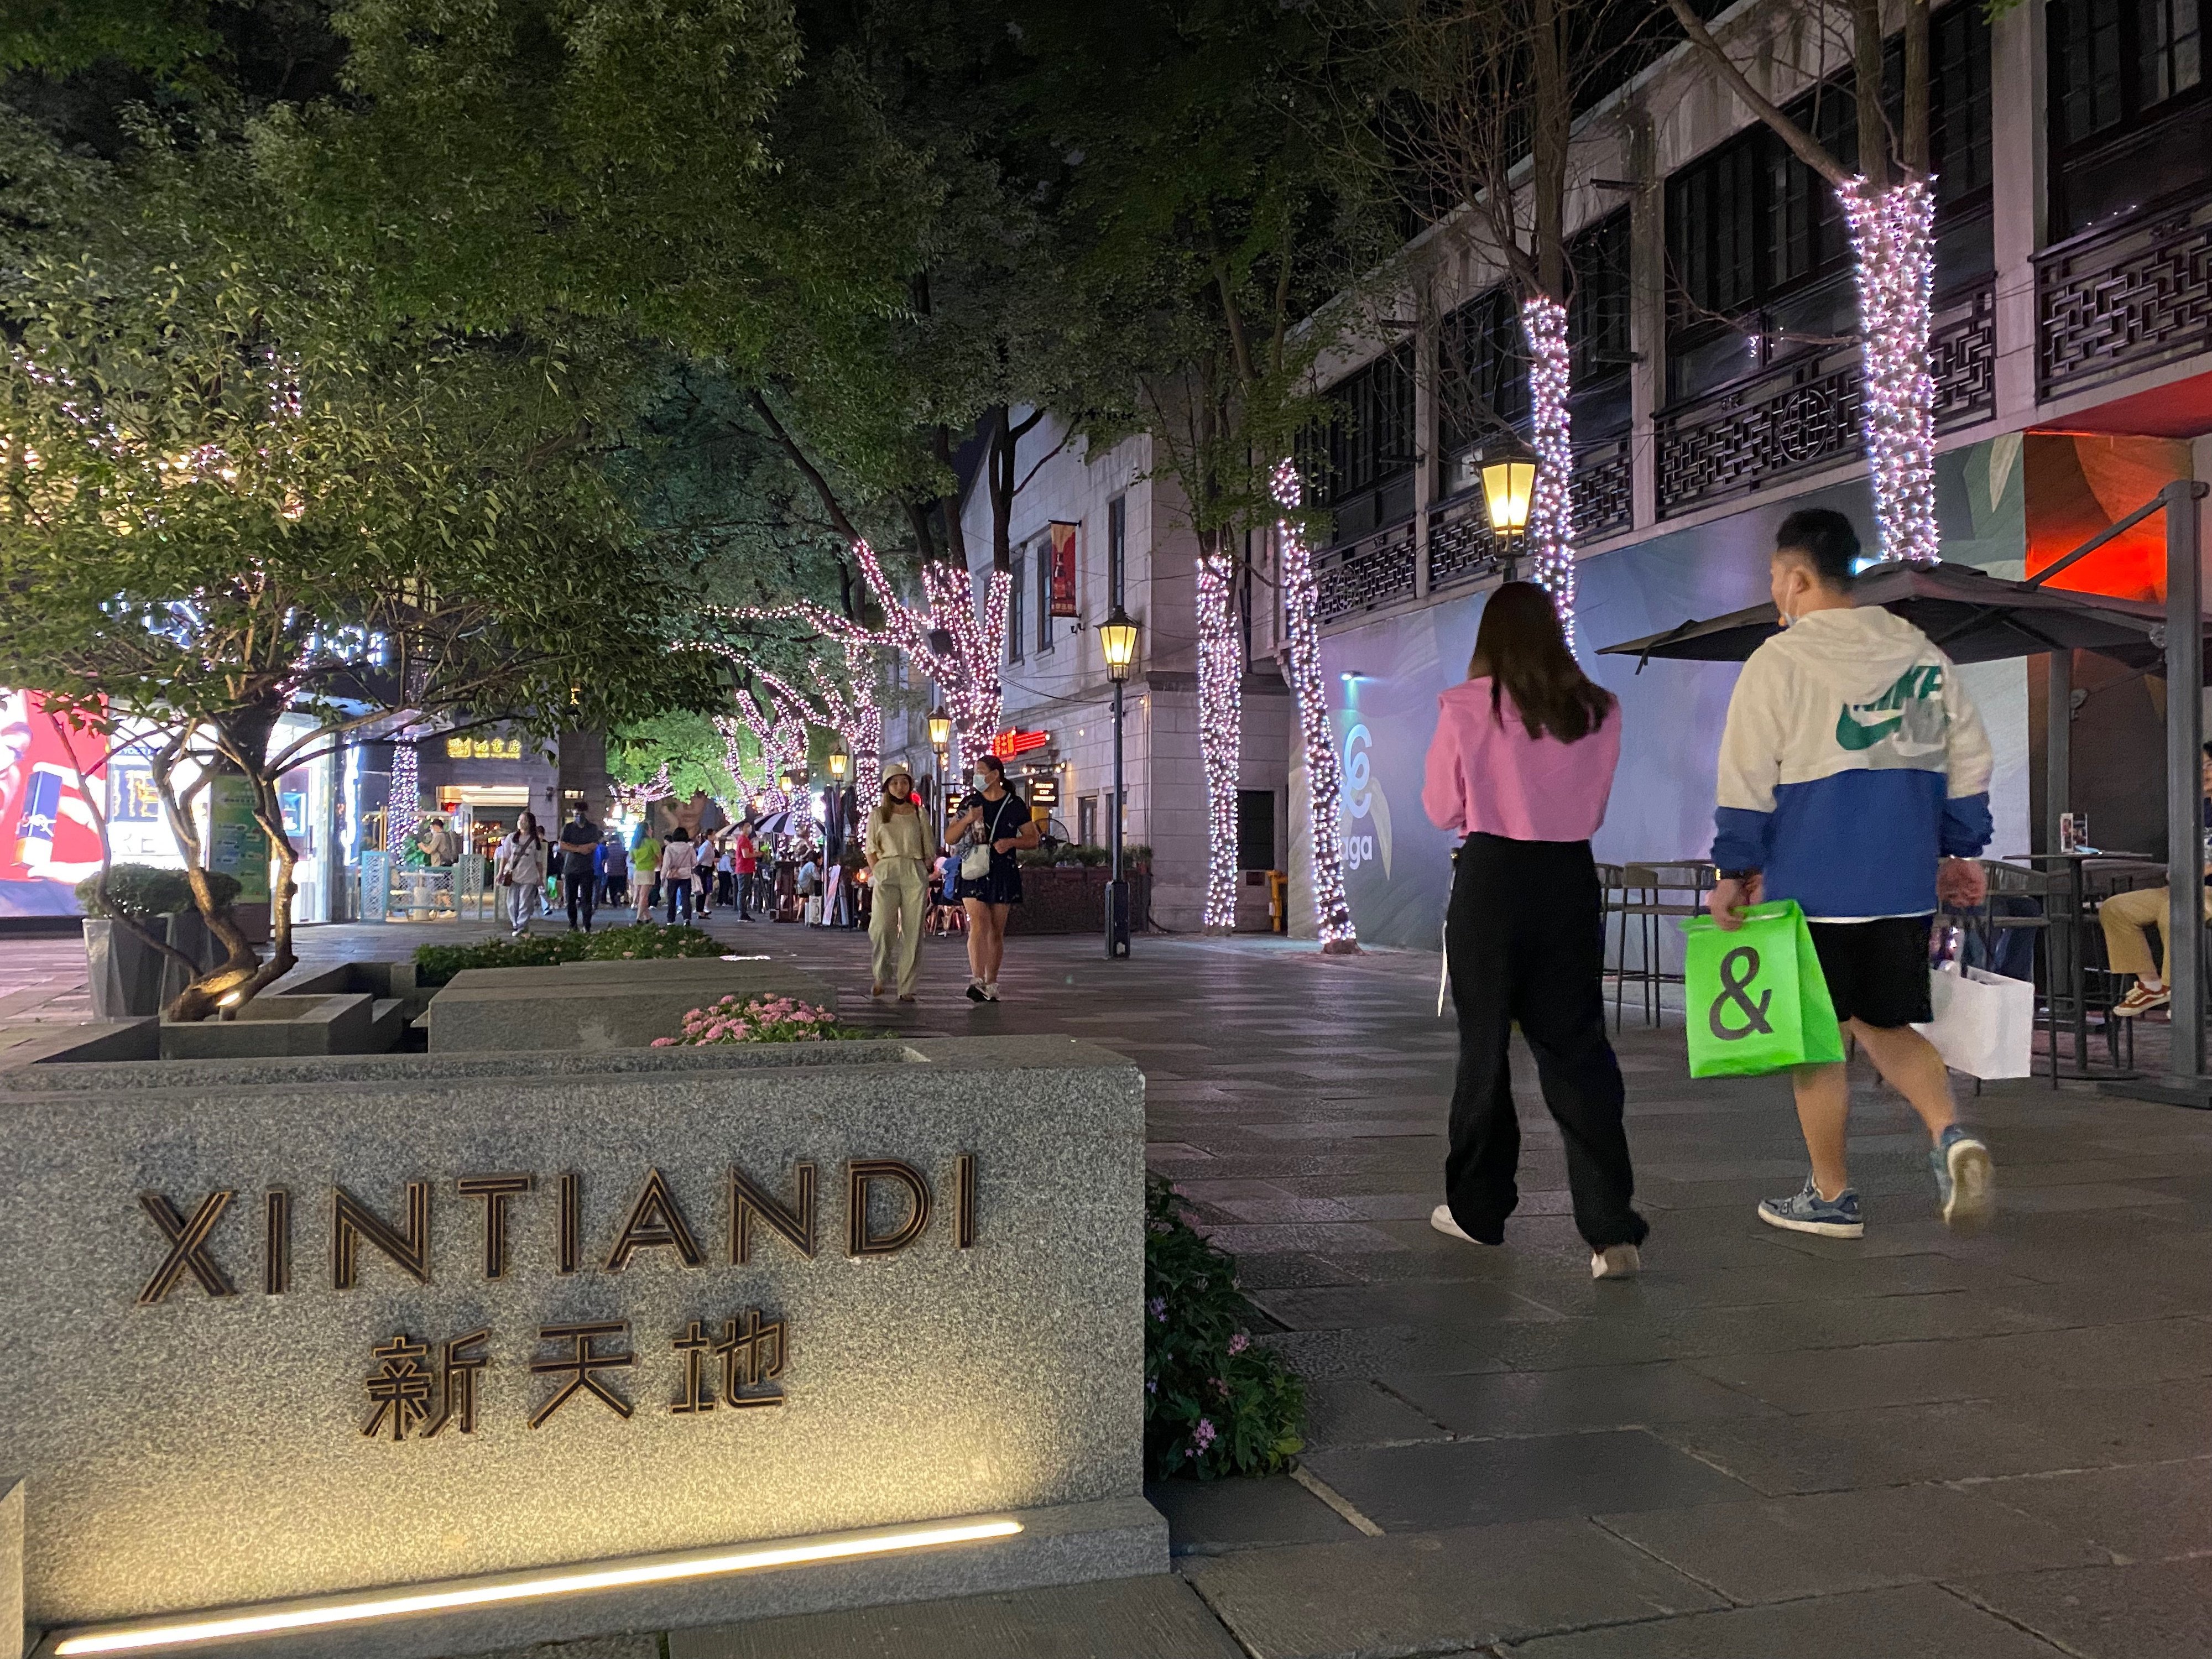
(994, 817)
(521, 861)
(897, 848)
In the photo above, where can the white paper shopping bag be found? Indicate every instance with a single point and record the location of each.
(1984, 1023)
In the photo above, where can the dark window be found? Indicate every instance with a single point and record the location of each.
(1044, 594)
(1597, 329)
(1255, 828)
(1117, 533)
(1014, 613)
(1086, 821)
(1360, 465)
(2131, 121)
(1482, 382)
(1758, 255)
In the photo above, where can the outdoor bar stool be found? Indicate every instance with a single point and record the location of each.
(1653, 895)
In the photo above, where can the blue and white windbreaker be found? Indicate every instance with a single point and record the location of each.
(1852, 761)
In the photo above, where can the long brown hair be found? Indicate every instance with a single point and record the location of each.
(1522, 648)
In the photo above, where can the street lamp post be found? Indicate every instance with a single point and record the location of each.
(1117, 637)
(1508, 483)
(941, 739)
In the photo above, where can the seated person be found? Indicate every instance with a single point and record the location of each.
(2128, 920)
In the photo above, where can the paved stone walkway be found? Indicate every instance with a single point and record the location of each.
(1769, 1445)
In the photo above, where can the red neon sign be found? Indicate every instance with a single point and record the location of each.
(1007, 744)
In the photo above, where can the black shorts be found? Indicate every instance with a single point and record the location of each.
(1877, 971)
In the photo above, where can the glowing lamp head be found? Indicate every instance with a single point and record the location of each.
(840, 762)
(1508, 485)
(941, 728)
(1117, 637)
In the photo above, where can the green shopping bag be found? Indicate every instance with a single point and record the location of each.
(1757, 999)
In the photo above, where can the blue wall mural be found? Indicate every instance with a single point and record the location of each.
(1385, 679)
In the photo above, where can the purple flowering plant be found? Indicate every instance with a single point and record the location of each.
(1215, 1402)
(758, 1019)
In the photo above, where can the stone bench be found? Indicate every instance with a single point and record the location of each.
(303, 1328)
(600, 1004)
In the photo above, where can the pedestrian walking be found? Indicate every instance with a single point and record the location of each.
(644, 870)
(994, 826)
(726, 871)
(745, 865)
(1521, 765)
(703, 877)
(1854, 778)
(580, 856)
(896, 844)
(521, 864)
(679, 863)
(613, 868)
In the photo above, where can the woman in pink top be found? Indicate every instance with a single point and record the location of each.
(1522, 764)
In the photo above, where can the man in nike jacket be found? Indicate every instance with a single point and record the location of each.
(1854, 778)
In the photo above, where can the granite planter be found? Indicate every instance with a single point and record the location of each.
(1071, 898)
(128, 977)
(290, 1327)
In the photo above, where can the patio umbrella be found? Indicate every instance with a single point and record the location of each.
(1970, 614)
(775, 824)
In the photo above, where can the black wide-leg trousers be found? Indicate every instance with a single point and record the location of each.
(1525, 934)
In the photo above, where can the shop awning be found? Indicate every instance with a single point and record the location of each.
(1970, 614)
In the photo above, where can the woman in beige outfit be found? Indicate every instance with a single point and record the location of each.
(898, 871)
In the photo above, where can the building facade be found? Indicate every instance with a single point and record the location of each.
(1717, 388)
(1130, 544)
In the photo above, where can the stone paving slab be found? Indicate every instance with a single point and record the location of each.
(1919, 1621)
(1481, 1482)
(1151, 1618)
(1437, 1592)
(2151, 1610)
(1836, 1542)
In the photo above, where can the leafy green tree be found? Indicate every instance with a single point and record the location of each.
(227, 500)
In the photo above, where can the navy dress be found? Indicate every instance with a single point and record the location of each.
(1002, 820)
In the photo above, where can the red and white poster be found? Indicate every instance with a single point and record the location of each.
(49, 838)
(1063, 570)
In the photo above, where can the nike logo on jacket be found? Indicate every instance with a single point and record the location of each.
(1852, 762)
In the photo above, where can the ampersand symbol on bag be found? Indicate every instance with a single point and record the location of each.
(1736, 977)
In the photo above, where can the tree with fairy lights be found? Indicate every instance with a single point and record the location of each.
(1886, 190)
(1225, 200)
(1493, 87)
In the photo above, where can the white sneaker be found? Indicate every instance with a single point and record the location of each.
(990, 990)
(1616, 1261)
(1441, 1220)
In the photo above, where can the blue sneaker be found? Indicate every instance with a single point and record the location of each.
(1809, 1212)
(1965, 1181)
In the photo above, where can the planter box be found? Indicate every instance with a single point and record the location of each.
(128, 977)
(1071, 898)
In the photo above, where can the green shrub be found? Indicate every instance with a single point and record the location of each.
(434, 964)
(143, 890)
(1215, 1402)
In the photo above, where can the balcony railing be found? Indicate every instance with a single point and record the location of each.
(2111, 303)
(1803, 413)
(1366, 574)
(1604, 491)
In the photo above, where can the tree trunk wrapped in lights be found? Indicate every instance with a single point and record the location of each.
(1888, 200)
(1551, 504)
(1893, 251)
(1324, 776)
(1220, 733)
(403, 801)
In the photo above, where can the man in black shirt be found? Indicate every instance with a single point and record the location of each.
(579, 840)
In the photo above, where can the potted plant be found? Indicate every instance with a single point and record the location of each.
(143, 938)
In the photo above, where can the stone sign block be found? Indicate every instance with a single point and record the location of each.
(603, 1005)
(300, 1327)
